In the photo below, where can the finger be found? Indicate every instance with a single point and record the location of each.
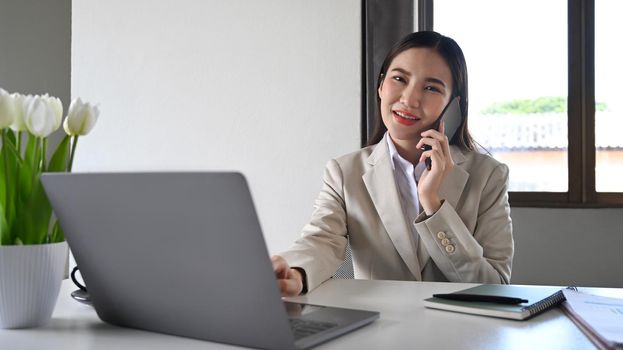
(432, 133)
(445, 147)
(436, 157)
(434, 143)
(290, 287)
(426, 154)
(280, 266)
(441, 138)
(439, 162)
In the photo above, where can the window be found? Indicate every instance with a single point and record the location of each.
(609, 108)
(517, 84)
(543, 82)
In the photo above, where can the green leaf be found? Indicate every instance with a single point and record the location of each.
(35, 216)
(5, 234)
(31, 144)
(9, 165)
(13, 154)
(32, 208)
(11, 135)
(58, 163)
(27, 215)
(3, 180)
(24, 179)
(5, 231)
(57, 234)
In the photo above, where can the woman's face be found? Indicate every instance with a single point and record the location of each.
(414, 91)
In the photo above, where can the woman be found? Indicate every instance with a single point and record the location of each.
(404, 221)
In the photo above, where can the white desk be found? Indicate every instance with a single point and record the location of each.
(404, 324)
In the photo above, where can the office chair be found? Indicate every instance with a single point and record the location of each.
(345, 271)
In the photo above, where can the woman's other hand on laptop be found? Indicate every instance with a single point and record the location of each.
(289, 280)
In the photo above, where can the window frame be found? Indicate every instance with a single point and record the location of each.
(385, 22)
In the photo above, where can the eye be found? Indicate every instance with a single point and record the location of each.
(432, 88)
(399, 79)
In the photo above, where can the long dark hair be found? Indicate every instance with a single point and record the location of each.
(453, 55)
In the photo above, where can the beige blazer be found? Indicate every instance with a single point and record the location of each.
(359, 198)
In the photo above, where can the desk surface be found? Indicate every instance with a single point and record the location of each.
(404, 324)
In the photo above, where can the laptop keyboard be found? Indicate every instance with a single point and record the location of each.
(303, 328)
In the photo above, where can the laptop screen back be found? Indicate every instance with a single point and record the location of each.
(176, 253)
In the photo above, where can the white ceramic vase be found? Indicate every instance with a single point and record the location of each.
(30, 279)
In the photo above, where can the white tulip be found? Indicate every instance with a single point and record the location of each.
(21, 103)
(81, 118)
(7, 109)
(43, 115)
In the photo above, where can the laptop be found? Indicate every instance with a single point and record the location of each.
(184, 254)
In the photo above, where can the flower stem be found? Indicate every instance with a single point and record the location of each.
(72, 153)
(19, 143)
(7, 177)
(18, 168)
(44, 150)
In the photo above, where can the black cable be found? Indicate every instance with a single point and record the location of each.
(73, 278)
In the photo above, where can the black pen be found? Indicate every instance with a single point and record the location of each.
(480, 297)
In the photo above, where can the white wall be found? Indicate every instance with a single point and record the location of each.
(270, 88)
(35, 39)
(35, 43)
(213, 84)
(581, 247)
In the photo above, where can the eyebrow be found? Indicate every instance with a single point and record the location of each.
(430, 79)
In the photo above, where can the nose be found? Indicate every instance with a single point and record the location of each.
(410, 97)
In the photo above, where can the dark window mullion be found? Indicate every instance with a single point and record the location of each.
(386, 22)
(425, 15)
(538, 199)
(588, 55)
(575, 104)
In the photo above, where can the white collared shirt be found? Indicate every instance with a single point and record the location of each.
(407, 177)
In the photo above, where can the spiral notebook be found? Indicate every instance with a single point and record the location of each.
(499, 300)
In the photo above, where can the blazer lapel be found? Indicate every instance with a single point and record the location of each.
(381, 186)
(454, 183)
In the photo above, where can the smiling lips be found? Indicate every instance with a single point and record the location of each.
(405, 118)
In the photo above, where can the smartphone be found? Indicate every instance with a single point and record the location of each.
(451, 116)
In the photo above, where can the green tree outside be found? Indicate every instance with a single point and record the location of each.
(540, 105)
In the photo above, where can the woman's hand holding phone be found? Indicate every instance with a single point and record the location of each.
(441, 163)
